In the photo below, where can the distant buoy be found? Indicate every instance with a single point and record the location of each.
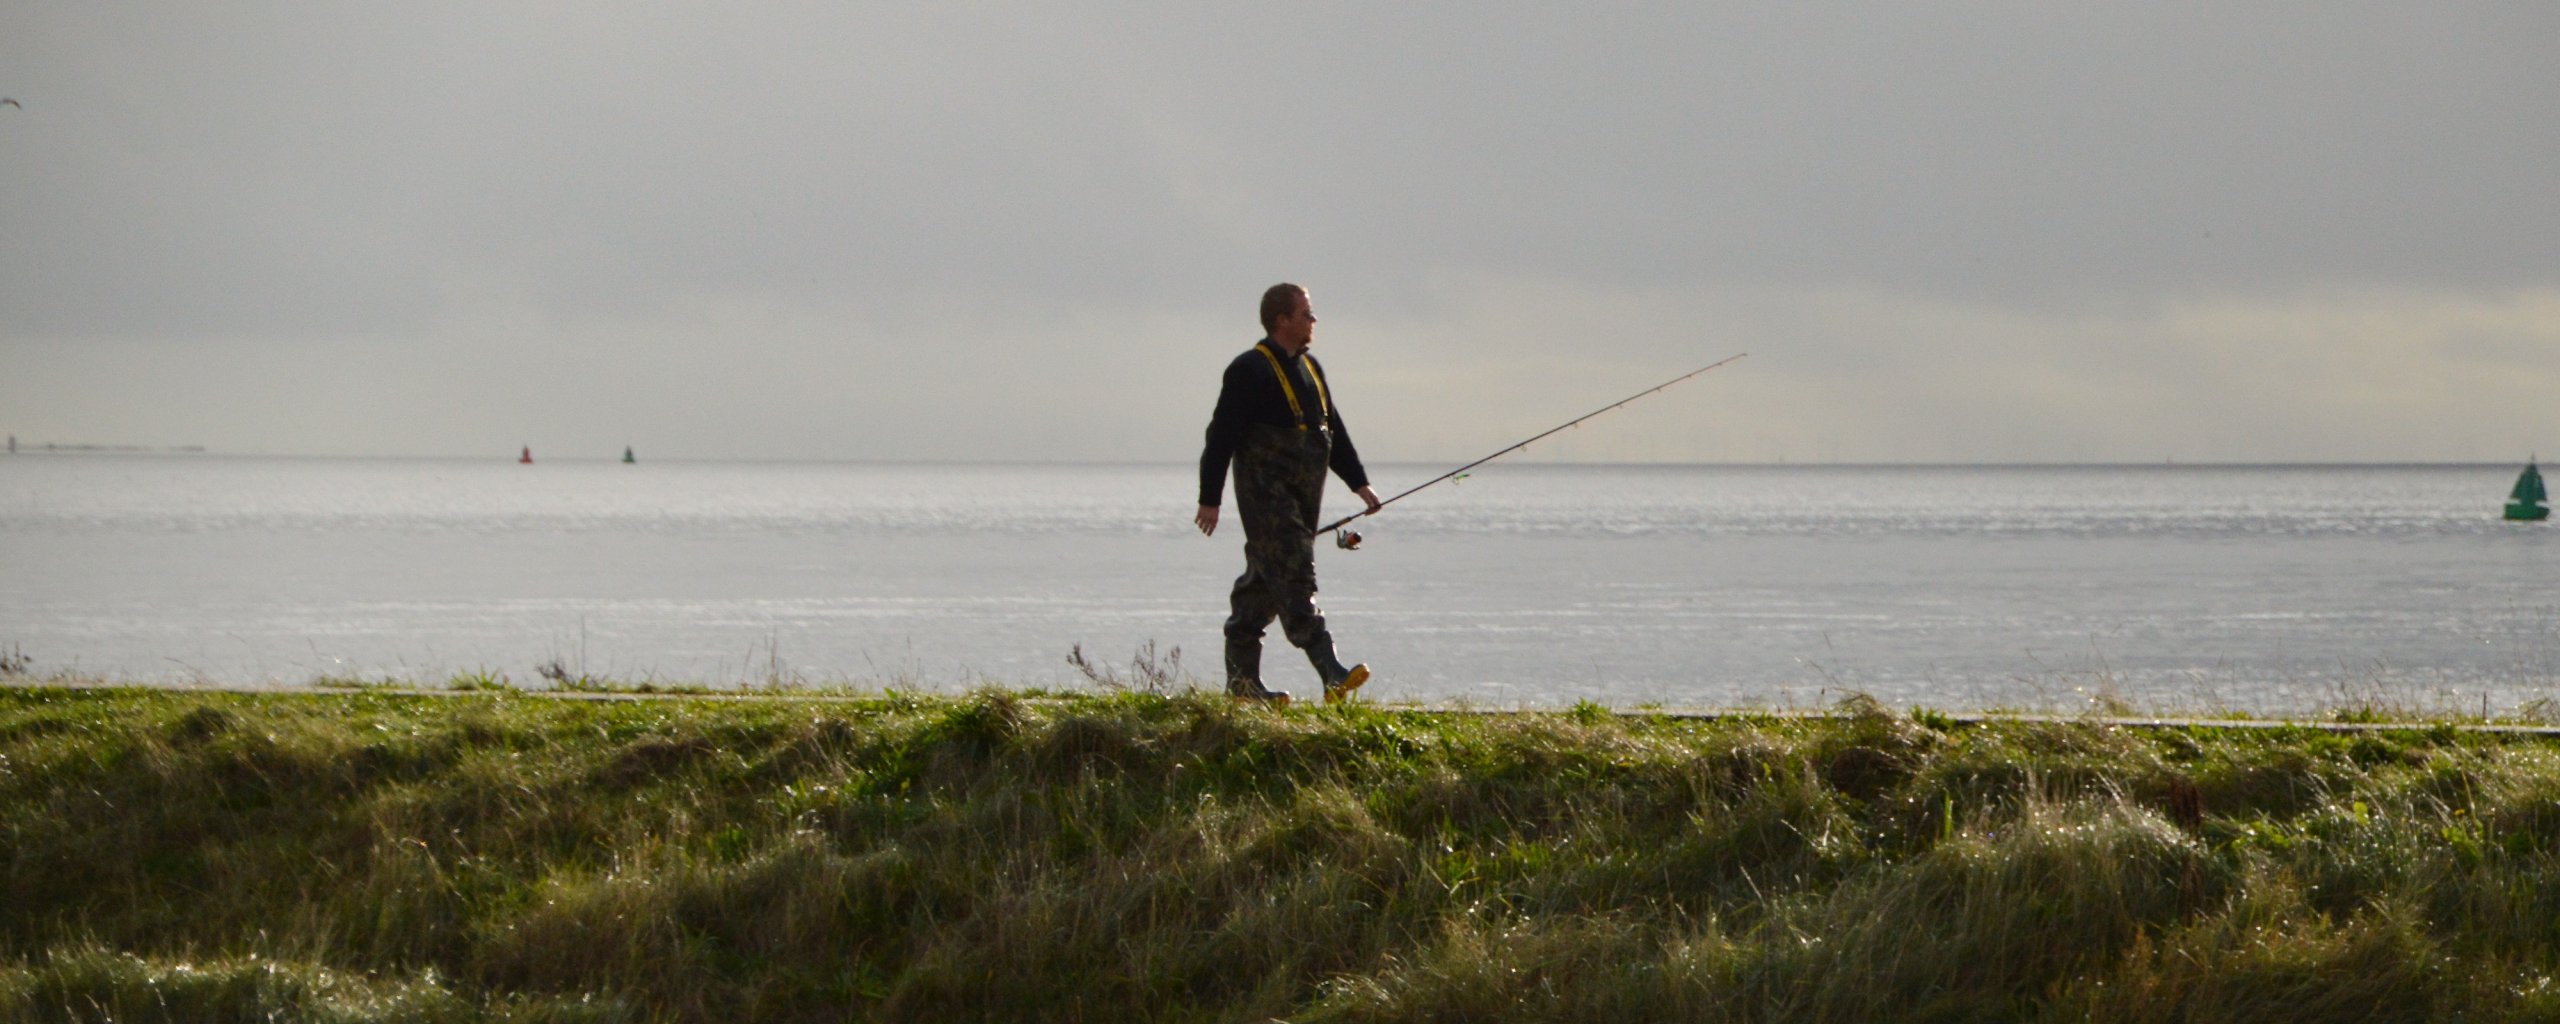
(527, 458)
(2526, 503)
(626, 454)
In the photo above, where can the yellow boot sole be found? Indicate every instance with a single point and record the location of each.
(1336, 693)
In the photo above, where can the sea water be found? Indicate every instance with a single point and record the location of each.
(2257, 588)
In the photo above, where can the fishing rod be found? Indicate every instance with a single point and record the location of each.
(1350, 540)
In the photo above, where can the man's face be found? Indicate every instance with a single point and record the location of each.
(1296, 328)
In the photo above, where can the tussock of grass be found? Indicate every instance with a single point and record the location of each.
(90, 983)
(369, 855)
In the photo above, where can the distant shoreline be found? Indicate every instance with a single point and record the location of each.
(52, 447)
(510, 458)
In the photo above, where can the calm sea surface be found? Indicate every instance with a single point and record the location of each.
(2171, 587)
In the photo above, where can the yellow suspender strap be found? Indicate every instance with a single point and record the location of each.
(1296, 413)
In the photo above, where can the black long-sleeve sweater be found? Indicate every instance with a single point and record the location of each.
(1251, 394)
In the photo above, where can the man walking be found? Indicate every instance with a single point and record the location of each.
(1276, 421)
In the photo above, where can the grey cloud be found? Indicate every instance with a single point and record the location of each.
(413, 175)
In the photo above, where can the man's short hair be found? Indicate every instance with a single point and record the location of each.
(1278, 301)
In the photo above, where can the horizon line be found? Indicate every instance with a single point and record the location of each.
(200, 451)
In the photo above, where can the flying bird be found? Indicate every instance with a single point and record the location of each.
(10, 102)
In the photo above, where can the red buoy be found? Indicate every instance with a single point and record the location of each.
(528, 456)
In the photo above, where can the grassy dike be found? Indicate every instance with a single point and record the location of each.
(191, 856)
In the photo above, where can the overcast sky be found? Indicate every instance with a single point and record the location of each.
(1944, 232)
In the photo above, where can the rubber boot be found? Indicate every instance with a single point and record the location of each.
(1338, 681)
(1244, 674)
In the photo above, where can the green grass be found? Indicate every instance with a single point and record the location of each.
(362, 854)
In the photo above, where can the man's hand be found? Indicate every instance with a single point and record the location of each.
(1369, 495)
(1206, 519)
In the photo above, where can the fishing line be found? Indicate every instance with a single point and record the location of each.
(1349, 540)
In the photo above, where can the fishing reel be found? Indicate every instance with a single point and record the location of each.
(1347, 540)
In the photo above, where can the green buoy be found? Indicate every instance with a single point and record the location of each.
(2526, 502)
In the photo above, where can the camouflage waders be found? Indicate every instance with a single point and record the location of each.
(1279, 490)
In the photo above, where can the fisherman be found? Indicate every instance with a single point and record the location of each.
(1276, 421)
